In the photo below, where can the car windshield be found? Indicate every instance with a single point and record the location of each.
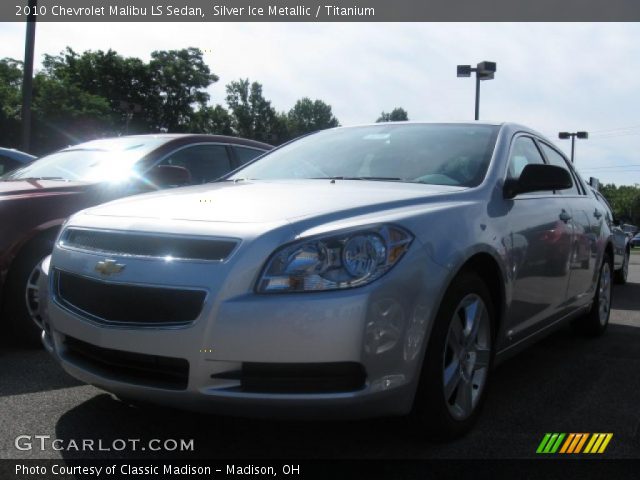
(96, 161)
(441, 154)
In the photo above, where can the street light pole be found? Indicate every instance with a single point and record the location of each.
(27, 77)
(477, 116)
(573, 147)
(484, 71)
(573, 136)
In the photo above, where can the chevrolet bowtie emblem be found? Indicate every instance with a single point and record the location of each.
(109, 267)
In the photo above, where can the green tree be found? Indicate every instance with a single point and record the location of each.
(110, 76)
(397, 115)
(10, 101)
(214, 120)
(179, 79)
(79, 96)
(308, 116)
(624, 201)
(64, 114)
(252, 116)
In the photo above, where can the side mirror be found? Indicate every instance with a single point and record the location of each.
(163, 176)
(538, 178)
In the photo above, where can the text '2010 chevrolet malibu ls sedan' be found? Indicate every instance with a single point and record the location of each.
(361, 271)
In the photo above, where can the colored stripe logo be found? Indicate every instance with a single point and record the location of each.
(574, 443)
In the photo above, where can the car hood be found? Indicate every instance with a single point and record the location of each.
(40, 187)
(271, 201)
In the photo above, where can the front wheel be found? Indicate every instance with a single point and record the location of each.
(621, 275)
(458, 360)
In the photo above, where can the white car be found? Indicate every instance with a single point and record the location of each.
(362, 271)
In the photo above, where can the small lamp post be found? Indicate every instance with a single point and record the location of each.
(484, 71)
(573, 136)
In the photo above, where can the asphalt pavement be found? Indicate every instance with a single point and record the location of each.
(565, 383)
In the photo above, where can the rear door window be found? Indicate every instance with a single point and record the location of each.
(245, 155)
(205, 163)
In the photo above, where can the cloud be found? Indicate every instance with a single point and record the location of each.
(551, 76)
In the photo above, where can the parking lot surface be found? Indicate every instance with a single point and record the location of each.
(565, 383)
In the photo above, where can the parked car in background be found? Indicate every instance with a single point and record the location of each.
(630, 230)
(354, 272)
(10, 159)
(621, 241)
(635, 241)
(37, 198)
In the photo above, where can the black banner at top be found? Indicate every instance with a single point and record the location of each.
(320, 10)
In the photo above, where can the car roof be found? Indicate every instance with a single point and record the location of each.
(508, 125)
(17, 155)
(186, 138)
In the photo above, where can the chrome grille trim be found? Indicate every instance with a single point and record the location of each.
(150, 245)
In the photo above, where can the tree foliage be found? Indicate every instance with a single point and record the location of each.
(252, 114)
(624, 200)
(398, 114)
(10, 99)
(308, 116)
(81, 96)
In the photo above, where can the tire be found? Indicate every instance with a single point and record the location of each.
(620, 276)
(595, 322)
(447, 412)
(20, 301)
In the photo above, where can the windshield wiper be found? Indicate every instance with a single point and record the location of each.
(379, 179)
(35, 178)
(234, 180)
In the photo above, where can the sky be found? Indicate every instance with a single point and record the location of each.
(550, 76)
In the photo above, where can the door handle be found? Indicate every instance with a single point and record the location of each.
(597, 213)
(564, 216)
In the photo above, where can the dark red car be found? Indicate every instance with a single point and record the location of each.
(36, 199)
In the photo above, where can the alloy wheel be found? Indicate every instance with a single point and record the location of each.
(604, 294)
(467, 356)
(32, 296)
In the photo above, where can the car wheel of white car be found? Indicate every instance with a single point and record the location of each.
(621, 275)
(458, 360)
(596, 321)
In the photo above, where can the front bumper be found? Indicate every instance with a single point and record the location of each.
(382, 328)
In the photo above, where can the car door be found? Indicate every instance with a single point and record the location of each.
(586, 220)
(538, 246)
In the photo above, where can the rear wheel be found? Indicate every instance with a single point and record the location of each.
(596, 321)
(458, 360)
(621, 275)
(22, 299)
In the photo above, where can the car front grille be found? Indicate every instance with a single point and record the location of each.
(123, 304)
(136, 368)
(148, 244)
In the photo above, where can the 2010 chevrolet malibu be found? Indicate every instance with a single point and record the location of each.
(361, 271)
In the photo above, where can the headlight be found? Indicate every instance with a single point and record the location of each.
(331, 262)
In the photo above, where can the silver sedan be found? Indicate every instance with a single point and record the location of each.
(355, 272)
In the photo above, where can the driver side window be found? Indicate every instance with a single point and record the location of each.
(523, 153)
